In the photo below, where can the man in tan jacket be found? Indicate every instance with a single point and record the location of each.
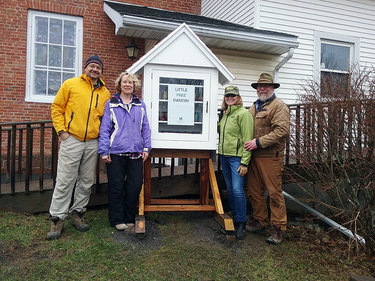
(271, 127)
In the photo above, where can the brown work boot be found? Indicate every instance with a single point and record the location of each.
(57, 227)
(78, 222)
(255, 227)
(276, 237)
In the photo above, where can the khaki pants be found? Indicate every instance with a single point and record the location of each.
(266, 173)
(76, 166)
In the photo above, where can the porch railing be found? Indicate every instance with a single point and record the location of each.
(28, 157)
(28, 150)
(331, 128)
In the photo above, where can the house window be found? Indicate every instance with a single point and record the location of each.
(336, 54)
(335, 61)
(54, 53)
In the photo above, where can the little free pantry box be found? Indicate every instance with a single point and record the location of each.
(180, 90)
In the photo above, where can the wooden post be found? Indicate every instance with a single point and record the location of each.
(204, 183)
(147, 181)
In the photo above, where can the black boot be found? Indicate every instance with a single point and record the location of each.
(241, 230)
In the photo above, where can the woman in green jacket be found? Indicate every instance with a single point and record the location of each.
(236, 128)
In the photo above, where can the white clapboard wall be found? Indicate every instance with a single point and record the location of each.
(341, 20)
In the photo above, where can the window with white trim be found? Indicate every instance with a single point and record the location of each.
(336, 54)
(54, 53)
(335, 61)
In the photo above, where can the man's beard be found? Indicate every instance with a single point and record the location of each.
(264, 97)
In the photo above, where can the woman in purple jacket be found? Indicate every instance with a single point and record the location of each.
(124, 144)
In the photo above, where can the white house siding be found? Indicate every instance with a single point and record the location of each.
(304, 18)
(236, 11)
(246, 68)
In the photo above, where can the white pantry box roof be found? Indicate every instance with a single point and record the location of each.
(182, 47)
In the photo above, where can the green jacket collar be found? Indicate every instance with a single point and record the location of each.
(233, 108)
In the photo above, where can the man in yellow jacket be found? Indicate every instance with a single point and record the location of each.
(76, 113)
(271, 128)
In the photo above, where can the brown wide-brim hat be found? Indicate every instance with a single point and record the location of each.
(265, 79)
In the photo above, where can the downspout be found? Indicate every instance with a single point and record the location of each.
(281, 63)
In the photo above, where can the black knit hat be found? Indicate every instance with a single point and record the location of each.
(94, 59)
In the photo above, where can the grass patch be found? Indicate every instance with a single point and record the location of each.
(178, 246)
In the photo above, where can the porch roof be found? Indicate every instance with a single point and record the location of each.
(151, 23)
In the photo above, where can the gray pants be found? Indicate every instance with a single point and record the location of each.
(76, 165)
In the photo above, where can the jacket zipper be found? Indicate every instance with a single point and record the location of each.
(97, 98)
(88, 116)
(71, 119)
(238, 146)
(226, 120)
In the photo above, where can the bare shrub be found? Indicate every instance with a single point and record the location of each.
(333, 146)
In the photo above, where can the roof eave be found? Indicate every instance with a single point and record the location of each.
(274, 43)
(209, 31)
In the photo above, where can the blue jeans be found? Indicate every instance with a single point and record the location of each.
(234, 182)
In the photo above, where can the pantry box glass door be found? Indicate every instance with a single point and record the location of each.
(180, 108)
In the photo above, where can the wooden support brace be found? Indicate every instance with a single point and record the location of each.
(140, 225)
(223, 219)
(215, 189)
(140, 222)
(226, 221)
(177, 208)
(175, 201)
(141, 203)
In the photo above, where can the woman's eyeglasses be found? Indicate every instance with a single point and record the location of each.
(230, 95)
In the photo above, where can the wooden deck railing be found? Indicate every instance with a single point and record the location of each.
(335, 128)
(27, 150)
(28, 157)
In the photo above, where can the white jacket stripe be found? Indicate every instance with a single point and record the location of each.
(114, 120)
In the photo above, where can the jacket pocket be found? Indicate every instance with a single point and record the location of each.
(261, 121)
(261, 116)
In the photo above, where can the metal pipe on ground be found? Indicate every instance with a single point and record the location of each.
(327, 220)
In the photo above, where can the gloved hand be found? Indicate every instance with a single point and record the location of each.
(242, 170)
